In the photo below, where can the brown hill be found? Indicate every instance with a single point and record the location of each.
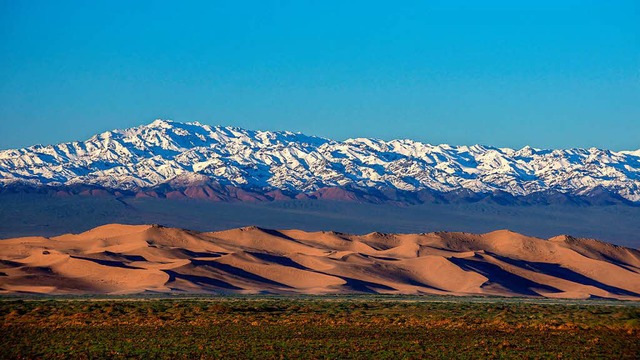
(122, 259)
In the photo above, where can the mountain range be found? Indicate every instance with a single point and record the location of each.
(170, 159)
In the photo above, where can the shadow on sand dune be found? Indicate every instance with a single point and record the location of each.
(558, 271)
(203, 281)
(505, 279)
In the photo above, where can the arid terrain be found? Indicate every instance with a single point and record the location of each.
(340, 327)
(126, 259)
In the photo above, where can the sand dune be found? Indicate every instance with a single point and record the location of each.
(122, 259)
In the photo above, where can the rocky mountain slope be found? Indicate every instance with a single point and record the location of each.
(119, 259)
(171, 159)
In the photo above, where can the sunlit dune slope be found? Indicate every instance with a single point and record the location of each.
(125, 259)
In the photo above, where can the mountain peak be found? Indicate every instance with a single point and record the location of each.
(161, 123)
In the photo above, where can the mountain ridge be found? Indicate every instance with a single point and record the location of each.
(167, 158)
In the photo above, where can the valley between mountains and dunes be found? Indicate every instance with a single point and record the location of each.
(129, 259)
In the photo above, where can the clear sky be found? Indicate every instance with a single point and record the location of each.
(503, 73)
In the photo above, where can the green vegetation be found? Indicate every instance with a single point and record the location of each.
(315, 328)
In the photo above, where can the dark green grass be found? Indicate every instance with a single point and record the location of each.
(315, 328)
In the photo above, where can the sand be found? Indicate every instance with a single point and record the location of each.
(127, 259)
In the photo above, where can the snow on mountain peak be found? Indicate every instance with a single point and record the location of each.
(161, 123)
(166, 151)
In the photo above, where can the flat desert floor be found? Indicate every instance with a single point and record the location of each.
(42, 215)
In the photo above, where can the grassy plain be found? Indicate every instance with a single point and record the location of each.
(317, 327)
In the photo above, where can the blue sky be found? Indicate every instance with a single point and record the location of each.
(502, 73)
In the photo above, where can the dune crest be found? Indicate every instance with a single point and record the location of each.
(124, 259)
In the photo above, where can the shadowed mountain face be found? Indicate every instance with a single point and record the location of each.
(121, 259)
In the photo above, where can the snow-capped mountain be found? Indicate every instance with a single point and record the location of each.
(173, 156)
